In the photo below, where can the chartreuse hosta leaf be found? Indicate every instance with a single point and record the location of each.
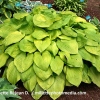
(56, 65)
(13, 38)
(96, 63)
(74, 75)
(47, 83)
(85, 77)
(68, 31)
(31, 83)
(86, 55)
(93, 50)
(27, 74)
(91, 43)
(26, 29)
(3, 59)
(90, 34)
(41, 73)
(41, 20)
(20, 15)
(67, 83)
(64, 55)
(42, 60)
(13, 75)
(59, 23)
(81, 39)
(37, 92)
(53, 48)
(39, 33)
(13, 50)
(5, 30)
(70, 46)
(41, 45)
(23, 61)
(75, 60)
(54, 34)
(94, 75)
(54, 91)
(27, 46)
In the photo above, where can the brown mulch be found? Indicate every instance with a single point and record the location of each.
(90, 92)
(93, 8)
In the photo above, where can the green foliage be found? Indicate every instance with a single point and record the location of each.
(95, 21)
(45, 56)
(7, 8)
(71, 5)
(7, 90)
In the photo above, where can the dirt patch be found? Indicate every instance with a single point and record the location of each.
(93, 8)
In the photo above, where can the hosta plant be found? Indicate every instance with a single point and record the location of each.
(7, 90)
(48, 50)
(7, 8)
(76, 6)
(95, 21)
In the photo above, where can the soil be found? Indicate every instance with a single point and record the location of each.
(91, 90)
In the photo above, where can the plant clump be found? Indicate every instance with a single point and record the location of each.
(48, 50)
(77, 6)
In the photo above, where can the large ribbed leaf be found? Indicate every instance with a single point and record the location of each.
(81, 39)
(86, 55)
(94, 75)
(27, 46)
(42, 74)
(74, 75)
(3, 59)
(41, 20)
(91, 43)
(91, 34)
(68, 31)
(39, 33)
(93, 50)
(85, 77)
(47, 83)
(53, 48)
(13, 50)
(37, 92)
(54, 34)
(20, 15)
(64, 56)
(62, 22)
(42, 61)
(13, 38)
(5, 30)
(96, 63)
(54, 91)
(57, 65)
(31, 83)
(41, 45)
(13, 75)
(26, 29)
(70, 46)
(27, 74)
(23, 61)
(75, 61)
